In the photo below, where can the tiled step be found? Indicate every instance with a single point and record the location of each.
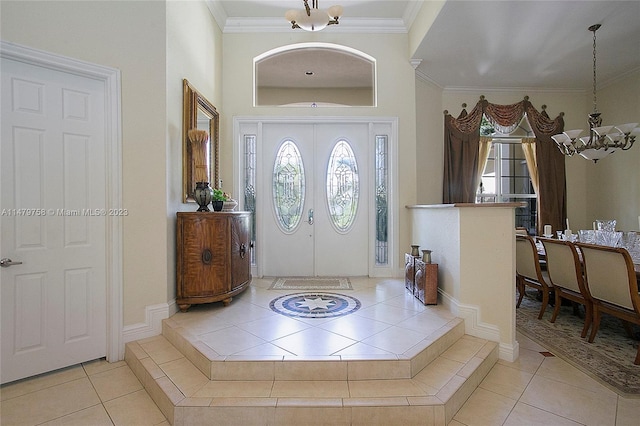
(426, 386)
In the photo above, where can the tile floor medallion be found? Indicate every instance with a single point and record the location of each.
(315, 305)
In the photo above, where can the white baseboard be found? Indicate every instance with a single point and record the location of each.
(509, 352)
(152, 325)
(473, 326)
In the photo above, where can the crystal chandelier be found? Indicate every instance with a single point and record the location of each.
(602, 140)
(312, 18)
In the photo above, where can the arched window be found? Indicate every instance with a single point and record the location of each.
(314, 74)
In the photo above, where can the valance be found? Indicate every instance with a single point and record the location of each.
(461, 155)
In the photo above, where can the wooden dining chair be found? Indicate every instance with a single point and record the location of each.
(565, 273)
(529, 273)
(611, 280)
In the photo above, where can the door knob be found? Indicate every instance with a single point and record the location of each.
(5, 262)
(310, 220)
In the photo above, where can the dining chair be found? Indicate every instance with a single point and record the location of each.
(520, 230)
(611, 280)
(565, 273)
(529, 273)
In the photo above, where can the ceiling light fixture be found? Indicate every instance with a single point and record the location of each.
(312, 18)
(602, 140)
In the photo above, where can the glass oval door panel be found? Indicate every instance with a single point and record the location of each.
(288, 186)
(342, 186)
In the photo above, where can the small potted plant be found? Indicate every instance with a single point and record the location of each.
(218, 198)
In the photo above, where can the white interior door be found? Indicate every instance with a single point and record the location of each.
(305, 232)
(53, 195)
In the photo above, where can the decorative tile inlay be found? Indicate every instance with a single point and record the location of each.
(315, 305)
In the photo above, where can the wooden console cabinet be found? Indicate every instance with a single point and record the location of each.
(426, 282)
(213, 257)
(421, 279)
(409, 272)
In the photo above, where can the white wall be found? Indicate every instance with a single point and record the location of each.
(614, 182)
(339, 96)
(196, 55)
(474, 248)
(424, 19)
(429, 143)
(396, 98)
(129, 36)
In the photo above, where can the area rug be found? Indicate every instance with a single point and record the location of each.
(315, 305)
(609, 359)
(311, 283)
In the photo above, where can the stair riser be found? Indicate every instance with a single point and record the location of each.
(437, 409)
(216, 367)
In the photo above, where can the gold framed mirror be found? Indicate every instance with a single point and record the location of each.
(200, 132)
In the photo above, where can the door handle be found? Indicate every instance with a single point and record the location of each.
(5, 262)
(310, 220)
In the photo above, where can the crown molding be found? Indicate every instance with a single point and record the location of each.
(617, 78)
(415, 63)
(482, 89)
(422, 76)
(218, 12)
(346, 25)
(411, 12)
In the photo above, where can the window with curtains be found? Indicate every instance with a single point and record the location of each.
(506, 178)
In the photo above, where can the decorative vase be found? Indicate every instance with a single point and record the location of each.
(217, 205)
(426, 256)
(229, 205)
(415, 250)
(203, 194)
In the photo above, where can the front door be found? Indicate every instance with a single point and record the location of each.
(53, 220)
(315, 209)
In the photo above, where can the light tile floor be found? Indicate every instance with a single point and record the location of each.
(533, 390)
(389, 322)
(94, 393)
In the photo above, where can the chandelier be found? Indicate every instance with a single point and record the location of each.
(312, 18)
(602, 140)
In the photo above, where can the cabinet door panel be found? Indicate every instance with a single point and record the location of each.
(205, 256)
(240, 251)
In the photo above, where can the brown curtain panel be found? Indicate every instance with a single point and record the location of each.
(461, 156)
(552, 180)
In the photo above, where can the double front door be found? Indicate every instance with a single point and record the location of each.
(315, 203)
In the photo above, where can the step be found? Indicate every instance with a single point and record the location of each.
(428, 384)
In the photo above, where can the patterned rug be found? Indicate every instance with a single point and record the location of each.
(609, 359)
(311, 283)
(315, 305)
